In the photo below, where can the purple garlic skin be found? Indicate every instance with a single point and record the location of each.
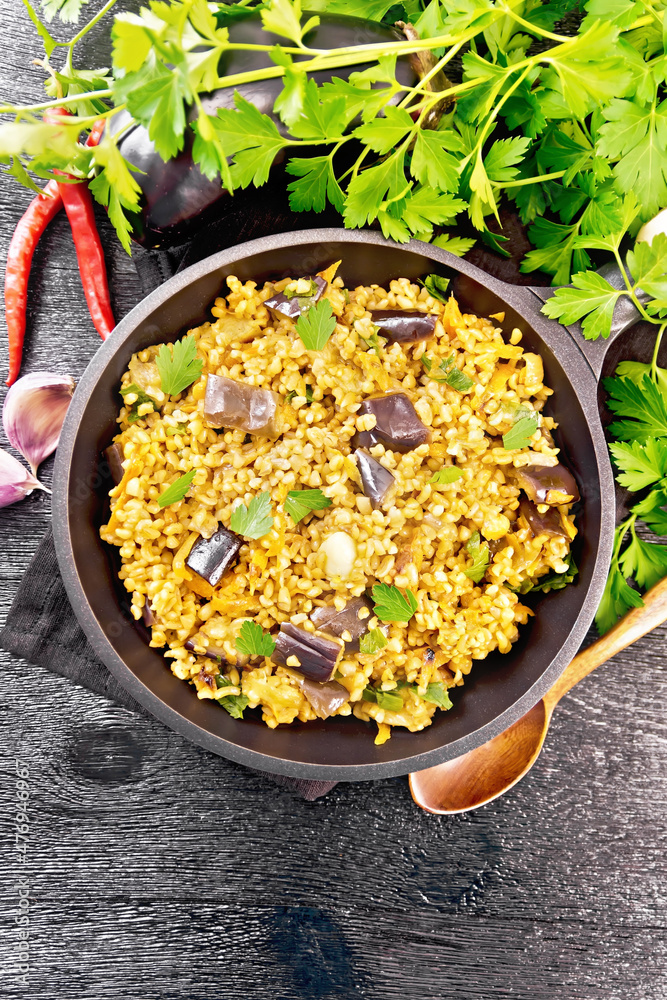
(233, 404)
(398, 427)
(325, 698)
(293, 305)
(403, 326)
(210, 557)
(33, 414)
(377, 483)
(329, 619)
(15, 480)
(317, 656)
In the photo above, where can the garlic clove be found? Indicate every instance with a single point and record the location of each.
(340, 555)
(15, 480)
(33, 414)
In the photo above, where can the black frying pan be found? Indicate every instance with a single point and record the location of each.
(500, 689)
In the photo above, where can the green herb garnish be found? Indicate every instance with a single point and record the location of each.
(552, 581)
(452, 376)
(177, 490)
(235, 704)
(309, 395)
(480, 557)
(178, 429)
(449, 474)
(391, 605)
(254, 641)
(436, 286)
(316, 325)
(521, 432)
(255, 520)
(178, 365)
(387, 700)
(298, 503)
(290, 293)
(437, 694)
(142, 397)
(372, 642)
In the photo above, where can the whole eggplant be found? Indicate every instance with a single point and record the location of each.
(177, 199)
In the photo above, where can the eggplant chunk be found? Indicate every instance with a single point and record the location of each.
(398, 427)
(114, 458)
(549, 523)
(325, 698)
(403, 326)
(292, 305)
(177, 199)
(229, 403)
(316, 657)
(547, 484)
(350, 621)
(213, 652)
(377, 483)
(210, 557)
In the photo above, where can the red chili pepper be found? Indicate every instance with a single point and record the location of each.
(30, 227)
(89, 254)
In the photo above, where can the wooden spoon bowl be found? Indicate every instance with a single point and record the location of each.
(483, 774)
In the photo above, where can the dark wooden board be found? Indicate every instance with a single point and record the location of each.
(157, 870)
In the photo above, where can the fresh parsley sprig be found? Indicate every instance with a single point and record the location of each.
(392, 605)
(255, 520)
(479, 551)
(316, 325)
(299, 503)
(451, 375)
(372, 642)
(254, 641)
(178, 365)
(177, 490)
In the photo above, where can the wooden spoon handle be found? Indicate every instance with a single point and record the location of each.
(631, 627)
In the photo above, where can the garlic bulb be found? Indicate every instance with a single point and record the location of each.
(15, 480)
(33, 414)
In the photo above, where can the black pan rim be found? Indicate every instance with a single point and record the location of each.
(515, 297)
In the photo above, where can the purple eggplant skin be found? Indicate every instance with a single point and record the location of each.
(401, 326)
(329, 619)
(210, 557)
(553, 484)
(325, 698)
(549, 523)
(177, 199)
(377, 483)
(317, 656)
(229, 403)
(292, 306)
(398, 427)
(114, 459)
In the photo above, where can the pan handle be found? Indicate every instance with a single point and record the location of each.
(625, 314)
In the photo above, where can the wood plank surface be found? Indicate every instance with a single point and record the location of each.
(159, 871)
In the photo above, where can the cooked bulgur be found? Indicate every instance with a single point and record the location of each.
(461, 549)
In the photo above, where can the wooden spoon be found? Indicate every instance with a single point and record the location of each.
(483, 774)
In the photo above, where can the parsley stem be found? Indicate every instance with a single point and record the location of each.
(654, 359)
(522, 182)
(91, 24)
(90, 95)
(533, 28)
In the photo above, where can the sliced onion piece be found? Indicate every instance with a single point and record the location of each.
(547, 484)
(233, 404)
(210, 557)
(404, 326)
(317, 657)
(398, 427)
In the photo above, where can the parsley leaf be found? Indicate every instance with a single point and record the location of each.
(592, 299)
(178, 429)
(391, 605)
(316, 325)
(480, 557)
(178, 365)
(452, 376)
(646, 562)
(438, 695)
(372, 642)
(520, 434)
(635, 136)
(235, 704)
(552, 581)
(390, 701)
(177, 490)
(448, 474)
(641, 465)
(436, 286)
(254, 641)
(255, 520)
(299, 503)
(644, 403)
(618, 597)
(142, 397)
